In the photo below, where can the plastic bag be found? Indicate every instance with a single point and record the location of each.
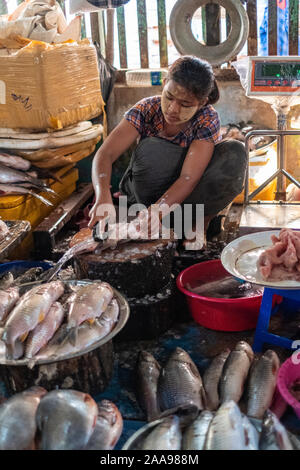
(87, 6)
(107, 74)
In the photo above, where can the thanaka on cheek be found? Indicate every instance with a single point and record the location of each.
(184, 115)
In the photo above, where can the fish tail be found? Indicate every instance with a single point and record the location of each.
(41, 198)
(10, 351)
(3, 334)
(50, 191)
(72, 336)
(31, 363)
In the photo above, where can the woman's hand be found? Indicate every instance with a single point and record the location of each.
(104, 212)
(149, 224)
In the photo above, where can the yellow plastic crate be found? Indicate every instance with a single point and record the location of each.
(29, 208)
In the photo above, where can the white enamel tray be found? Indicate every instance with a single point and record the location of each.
(240, 258)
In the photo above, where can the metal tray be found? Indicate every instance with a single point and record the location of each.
(18, 229)
(123, 317)
(240, 258)
(134, 442)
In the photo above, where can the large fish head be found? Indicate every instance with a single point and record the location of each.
(109, 412)
(245, 347)
(35, 391)
(181, 357)
(147, 359)
(272, 356)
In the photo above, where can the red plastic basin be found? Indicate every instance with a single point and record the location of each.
(214, 313)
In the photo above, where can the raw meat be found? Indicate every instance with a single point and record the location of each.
(281, 261)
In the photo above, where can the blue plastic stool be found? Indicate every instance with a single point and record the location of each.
(261, 333)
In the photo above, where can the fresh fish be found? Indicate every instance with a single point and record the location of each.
(30, 275)
(211, 378)
(195, 434)
(44, 331)
(11, 176)
(18, 163)
(8, 299)
(108, 428)
(86, 245)
(273, 434)
(226, 431)
(66, 419)
(226, 288)
(17, 419)
(186, 414)
(148, 370)
(4, 230)
(251, 434)
(262, 384)
(30, 310)
(2, 351)
(165, 436)
(14, 189)
(180, 383)
(235, 371)
(6, 280)
(87, 303)
(87, 334)
(294, 440)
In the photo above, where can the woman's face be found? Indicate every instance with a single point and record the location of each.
(178, 104)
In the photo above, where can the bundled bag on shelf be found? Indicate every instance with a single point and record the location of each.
(87, 6)
(45, 86)
(42, 20)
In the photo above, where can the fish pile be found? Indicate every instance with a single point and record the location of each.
(9, 279)
(226, 429)
(15, 178)
(4, 230)
(48, 322)
(87, 240)
(232, 376)
(225, 288)
(223, 408)
(281, 261)
(58, 420)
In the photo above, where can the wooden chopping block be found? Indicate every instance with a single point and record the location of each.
(136, 268)
(89, 373)
(150, 316)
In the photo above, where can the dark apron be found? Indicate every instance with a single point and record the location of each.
(156, 164)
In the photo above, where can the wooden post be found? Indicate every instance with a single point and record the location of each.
(110, 35)
(272, 27)
(213, 13)
(3, 7)
(143, 34)
(293, 26)
(162, 32)
(102, 33)
(122, 37)
(95, 27)
(252, 37)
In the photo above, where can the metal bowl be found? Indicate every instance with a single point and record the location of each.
(123, 317)
(18, 229)
(134, 442)
(262, 150)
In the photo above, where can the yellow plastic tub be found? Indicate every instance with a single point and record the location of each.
(261, 167)
(20, 207)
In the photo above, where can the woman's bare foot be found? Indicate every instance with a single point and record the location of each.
(195, 244)
(198, 242)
